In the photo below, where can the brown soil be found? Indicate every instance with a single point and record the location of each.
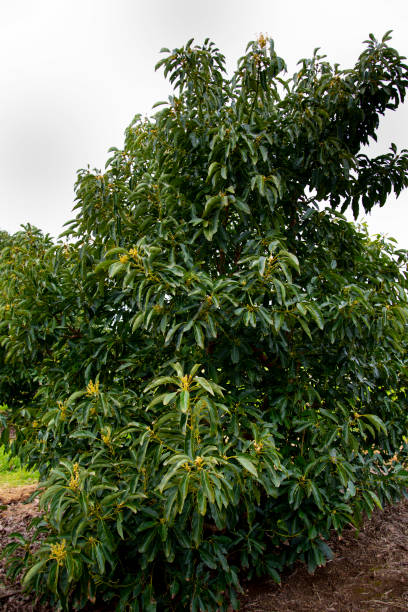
(367, 574)
(12, 495)
(15, 515)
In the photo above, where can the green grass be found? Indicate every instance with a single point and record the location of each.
(11, 472)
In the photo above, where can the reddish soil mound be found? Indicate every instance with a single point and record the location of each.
(367, 574)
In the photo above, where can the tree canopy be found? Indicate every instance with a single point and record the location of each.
(216, 356)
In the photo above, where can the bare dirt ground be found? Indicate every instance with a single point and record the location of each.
(15, 515)
(367, 574)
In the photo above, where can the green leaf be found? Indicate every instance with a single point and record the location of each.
(184, 401)
(116, 268)
(316, 495)
(376, 421)
(301, 308)
(316, 315)
(242, 206)
(177, 367)
(197, 528)
(235, 354)
(198, 334)
(115, 251)
(171, 472)
(183, 490)
(205, 384)
(212, 168)
(206, 486)
(102, 266)
(162, 380)
(169, 397)
(247, 464)
(74, 396)
(280, 291)
(156, 104)
(171, 333)
(376, 499)
(82, 435)
(305, 327)
(137, 321)
(293, 260)
(35, 569)
(261, 265)
(211, 204)
(201, 502)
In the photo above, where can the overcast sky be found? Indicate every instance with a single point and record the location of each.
(74, 73)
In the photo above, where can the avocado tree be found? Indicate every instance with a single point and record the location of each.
(225, 374)
(22, 272)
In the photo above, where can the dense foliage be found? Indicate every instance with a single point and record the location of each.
(23, 264)
(217, 360)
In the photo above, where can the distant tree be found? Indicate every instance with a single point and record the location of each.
(222, 357)
(21, 264)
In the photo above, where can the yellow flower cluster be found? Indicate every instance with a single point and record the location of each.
(199, 462)
(106, 437)
(185, 382)
(58, 552)
(271, 265)
(258, 446)
(92, 389)
(74, 481)
(137, 259)
(134, 253)
(63, 410)
(262, 41)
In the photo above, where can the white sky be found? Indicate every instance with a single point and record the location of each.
(74, 73)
